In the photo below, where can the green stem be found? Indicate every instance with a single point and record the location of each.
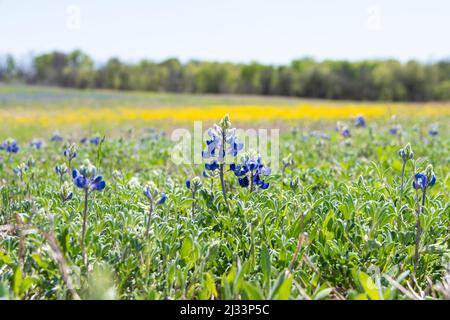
(70, 167)
(403, 181)
(193, 203)
(83, 230)
(222, 183)
(399, 220)
(418, 231)
(147, 231)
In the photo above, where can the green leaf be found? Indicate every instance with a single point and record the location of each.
(368, 286)
(266, 265)
(284, 291)
(5, 258)
(252, 292)
(25, 285)
(282, 287)
(322, 294)
(17, 280)
(39, 262)
(64, 240)
(361, 296)
(187, 248)
(210, 285)
(171, 275)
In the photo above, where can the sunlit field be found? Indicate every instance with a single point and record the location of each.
(93, 207)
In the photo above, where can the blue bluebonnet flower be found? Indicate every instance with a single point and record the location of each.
(433, 130)
(212, 166)
(423, 180)
(394, 130)
(56, 137)
(360, 122)
(215, 145)
(346, 132)
(420, 181)
(36, 143)
(221, 135)
(343, 130)
(251, 172)
(87, 178)
(10, 145)
(95, 140)
(162, 198)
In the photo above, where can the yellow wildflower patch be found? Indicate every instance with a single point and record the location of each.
(242, 113)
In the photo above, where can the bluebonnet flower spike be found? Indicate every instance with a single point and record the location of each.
(251, 171)
(87, 179)
(360, 121)
(10, 145)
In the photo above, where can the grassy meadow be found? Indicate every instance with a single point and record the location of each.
(339, 220)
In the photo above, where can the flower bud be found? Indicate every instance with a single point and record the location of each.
(194, 184)
(225, 122)
(429, 172)
(21, 168)
(288, 161)
(294, 184)
(65, 191)
(150, 190)
(406, 153)
(71, 152)
(61, 169)
(88, 169)
(409, 152)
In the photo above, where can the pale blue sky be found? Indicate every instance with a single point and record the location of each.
(267, 31)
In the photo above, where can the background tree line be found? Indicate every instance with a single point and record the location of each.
(363, 80)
